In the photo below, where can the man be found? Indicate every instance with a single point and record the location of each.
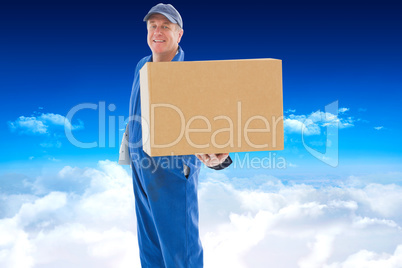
(165, 188)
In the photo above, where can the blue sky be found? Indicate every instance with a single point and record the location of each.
(57, 55)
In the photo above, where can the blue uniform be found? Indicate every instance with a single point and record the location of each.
(166, 200)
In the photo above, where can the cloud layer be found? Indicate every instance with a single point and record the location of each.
(277, 225)
(85, 218)
(76, 218)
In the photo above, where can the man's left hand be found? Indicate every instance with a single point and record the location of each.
(211, 160)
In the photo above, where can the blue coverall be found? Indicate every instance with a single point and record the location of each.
(166, 201)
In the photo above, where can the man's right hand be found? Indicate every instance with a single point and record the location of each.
(211, 160)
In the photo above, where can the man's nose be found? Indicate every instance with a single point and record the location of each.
(157, 30)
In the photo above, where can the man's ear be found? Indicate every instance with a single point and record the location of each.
(180, 35)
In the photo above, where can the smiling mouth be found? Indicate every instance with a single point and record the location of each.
(158, 41)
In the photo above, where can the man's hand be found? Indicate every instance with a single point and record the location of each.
(211, 160)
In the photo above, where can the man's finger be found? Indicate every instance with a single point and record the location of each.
(222, 157)
(203, 157)
(213, 160)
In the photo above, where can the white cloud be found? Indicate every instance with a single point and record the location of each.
(41, 124)
(343, 110)
(369, 259)
(85, 218)
(311, 124)
(290, 111)
(326, 119)
(57, 119)
(29, 124)
(321, 250)
(379, 128)
(297, 126)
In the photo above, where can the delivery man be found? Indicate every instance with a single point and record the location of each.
(165, 188)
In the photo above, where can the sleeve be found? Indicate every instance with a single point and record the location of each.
(228, 161)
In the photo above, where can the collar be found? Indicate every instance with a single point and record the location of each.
(179, 55)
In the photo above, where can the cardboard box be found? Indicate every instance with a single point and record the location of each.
(211, 106)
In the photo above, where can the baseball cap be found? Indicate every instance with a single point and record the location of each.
(168, 11)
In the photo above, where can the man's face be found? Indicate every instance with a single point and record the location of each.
(163, 36)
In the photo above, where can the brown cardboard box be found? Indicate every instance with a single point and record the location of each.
(211, 106)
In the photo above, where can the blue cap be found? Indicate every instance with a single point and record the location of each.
(168, 11)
